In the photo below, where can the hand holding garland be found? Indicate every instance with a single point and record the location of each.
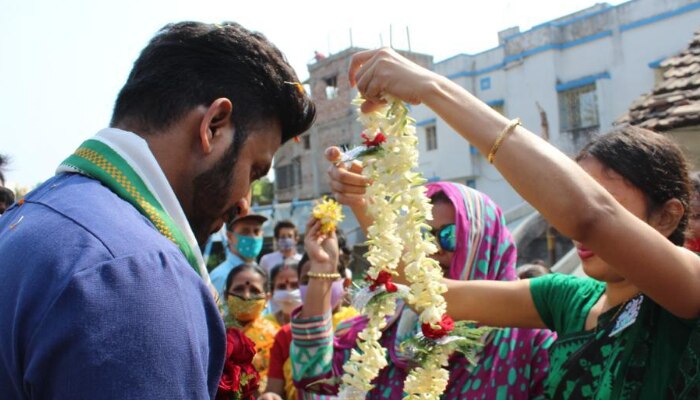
(349, 186)
(588, 213)
(322, 249)
(488, 302)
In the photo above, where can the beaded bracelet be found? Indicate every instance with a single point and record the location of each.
(510, 127)
(324, 276)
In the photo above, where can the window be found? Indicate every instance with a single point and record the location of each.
(282, 179)
(306, 141)
(331, 87)
(578, 108)
(431, 137)
(485, 83)
(288, 176)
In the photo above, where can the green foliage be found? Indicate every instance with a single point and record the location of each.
(263, 191)
(466, 338)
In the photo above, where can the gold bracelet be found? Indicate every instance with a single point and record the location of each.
(510, 127)
(324, 276)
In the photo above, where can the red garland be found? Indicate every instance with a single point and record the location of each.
(239, 380)
(379, 139)
(384, 278)
(447, 325)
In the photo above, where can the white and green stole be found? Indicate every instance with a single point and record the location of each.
(110, 157)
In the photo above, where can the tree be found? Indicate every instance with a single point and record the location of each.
(263, 191)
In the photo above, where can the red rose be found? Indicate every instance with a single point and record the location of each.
(239, 349)
(231, 379)
(250, 379)
(383, 278)
(239, 379)
(378, 139)
(446, 325)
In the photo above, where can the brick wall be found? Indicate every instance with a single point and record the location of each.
(335, 124)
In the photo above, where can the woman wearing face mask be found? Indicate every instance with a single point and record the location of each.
(280, 383)
(631, 330)
(285, 292)
(246, 298)
(474, 245)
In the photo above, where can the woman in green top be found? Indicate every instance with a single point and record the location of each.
(631, 331)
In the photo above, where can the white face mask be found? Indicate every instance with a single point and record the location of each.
(287, 300)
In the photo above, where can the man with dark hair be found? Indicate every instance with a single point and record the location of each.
(103, 290)
(7, 197)
(286, 238)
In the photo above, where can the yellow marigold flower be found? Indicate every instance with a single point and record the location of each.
(329, 212)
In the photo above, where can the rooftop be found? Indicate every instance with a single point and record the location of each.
(675, 101)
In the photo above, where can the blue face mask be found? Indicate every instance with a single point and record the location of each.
(248, 247)
(285, 243)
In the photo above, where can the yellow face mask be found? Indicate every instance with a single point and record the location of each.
(245, 310)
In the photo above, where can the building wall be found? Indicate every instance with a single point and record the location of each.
(336, 124)
(689, 140)
(613, 47)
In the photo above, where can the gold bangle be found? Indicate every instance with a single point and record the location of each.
(510, 127)
(324, 276)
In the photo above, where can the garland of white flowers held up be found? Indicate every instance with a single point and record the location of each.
(399, 207)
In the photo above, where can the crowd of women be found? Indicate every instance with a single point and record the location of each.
(627, 331)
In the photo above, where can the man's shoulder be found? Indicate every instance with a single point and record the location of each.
(222, 270)
(270, 256)
(269, 260)
(89, 209)
(70, 225)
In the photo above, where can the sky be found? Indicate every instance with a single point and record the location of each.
(62, 63)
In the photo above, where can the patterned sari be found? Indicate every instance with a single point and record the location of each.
(262, 332)
(513, 363)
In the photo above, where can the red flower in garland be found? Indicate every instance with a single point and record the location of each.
(446, 325)
(239, 380)
(378, 139)
(384, 278)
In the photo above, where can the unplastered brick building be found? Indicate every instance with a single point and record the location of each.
(300, 167)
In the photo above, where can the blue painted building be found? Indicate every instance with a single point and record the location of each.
(580, 71)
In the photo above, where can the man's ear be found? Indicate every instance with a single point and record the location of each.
(243, 206)
(666, 218)
(216, 117)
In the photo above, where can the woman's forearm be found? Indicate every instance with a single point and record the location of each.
(546, 178)
(493, 303)
(318, 298)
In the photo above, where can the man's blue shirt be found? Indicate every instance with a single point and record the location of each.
(96, 303)
(219, 274)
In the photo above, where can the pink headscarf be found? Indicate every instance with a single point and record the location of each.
(489, 253)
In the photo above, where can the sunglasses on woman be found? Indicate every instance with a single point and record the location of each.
(446, 236)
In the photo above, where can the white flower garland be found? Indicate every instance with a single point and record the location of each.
(397, 202)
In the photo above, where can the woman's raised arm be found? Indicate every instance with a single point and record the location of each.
(560, 189)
